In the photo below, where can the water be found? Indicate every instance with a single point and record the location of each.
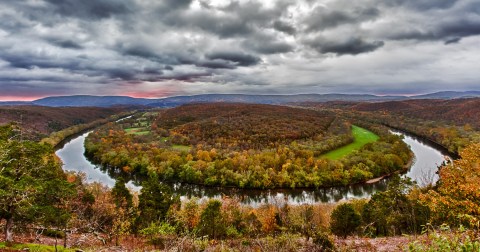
(73, 159)
(427, 159)
(423, 170)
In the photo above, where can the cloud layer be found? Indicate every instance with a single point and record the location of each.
(171, 47)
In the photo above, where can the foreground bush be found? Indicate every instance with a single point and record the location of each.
(345, 220)
(446, 239)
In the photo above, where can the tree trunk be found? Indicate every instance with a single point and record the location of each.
(8, 230)
(65, 238)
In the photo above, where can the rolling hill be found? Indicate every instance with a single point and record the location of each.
(108, 101)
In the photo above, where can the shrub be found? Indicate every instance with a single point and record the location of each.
(324, 241)
(345, 220)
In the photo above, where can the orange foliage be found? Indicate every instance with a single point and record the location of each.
(457, 198)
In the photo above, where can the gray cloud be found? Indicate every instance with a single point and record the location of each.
(322, 18)
(66, 44)
(284, 27)
(240, 59)
(91, 8)
(422, 4)
(197, 46)
(353, 46)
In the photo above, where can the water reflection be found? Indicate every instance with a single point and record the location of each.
(426, 162)
(292, 196)
(427, 159)
(71, 154)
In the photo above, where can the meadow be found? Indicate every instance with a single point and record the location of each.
(361, 136)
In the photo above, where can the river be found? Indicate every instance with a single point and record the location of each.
(423, 171)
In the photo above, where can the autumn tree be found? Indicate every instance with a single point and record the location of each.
(456, 198)
(395, 211)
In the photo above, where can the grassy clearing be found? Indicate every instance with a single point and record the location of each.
(181, 147)
(137, 131)
(362, 137)
(34, 247)
(146, 114)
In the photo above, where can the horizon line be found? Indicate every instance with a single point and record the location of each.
(31, 99)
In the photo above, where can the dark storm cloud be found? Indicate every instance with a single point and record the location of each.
(284, 27)
(30, 60)
(452, 41)
(66, 44)
(151, 70)
(182, 76)
(240, 59)
(171, 58)
(122, 74)
(268, 47)
(91, 8)
(233, 20)
(322, 18)
(450, 30)
(176, 4)
(422, 4)
(233, 45)
(221, 25)
(351, 46)
(217, 64)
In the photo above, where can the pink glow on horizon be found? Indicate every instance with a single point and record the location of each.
(20, 98)
(165, 92)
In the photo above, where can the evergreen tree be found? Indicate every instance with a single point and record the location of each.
(155, 201)
(345, 220)
(32, 183)
(121, 195)
(211, 222)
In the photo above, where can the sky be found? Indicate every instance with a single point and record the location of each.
(159, 48)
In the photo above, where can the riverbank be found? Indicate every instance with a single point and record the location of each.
(426, 139)
(59, 138)
(405, 169)
(73, 159)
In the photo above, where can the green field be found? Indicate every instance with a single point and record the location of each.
(181, 147)
(137, 131)
(362, 137)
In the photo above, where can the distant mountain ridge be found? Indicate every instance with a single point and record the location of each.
(449, 95)
(90, 101)
(108, 101)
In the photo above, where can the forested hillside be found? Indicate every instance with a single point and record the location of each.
(256, 146)
(456, 111)
(245, 146)
(244, 126)
(38, 122)
(452, 124)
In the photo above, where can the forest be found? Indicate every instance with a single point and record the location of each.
(39, 122)
(245, 146)
(43, 208)
(453, 124)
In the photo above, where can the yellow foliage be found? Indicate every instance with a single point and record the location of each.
(457, 197)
